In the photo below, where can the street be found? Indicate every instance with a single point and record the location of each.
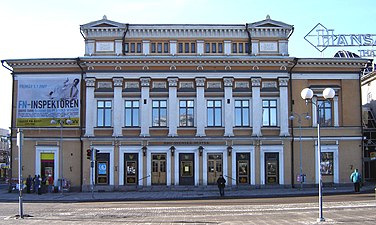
(338, 209)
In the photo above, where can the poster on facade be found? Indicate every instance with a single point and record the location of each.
(49, 101)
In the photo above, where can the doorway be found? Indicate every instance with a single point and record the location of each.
(158, 174)
(186, 170)
(271, 168)
(215, 165)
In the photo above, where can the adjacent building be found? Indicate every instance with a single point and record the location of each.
(180, 104)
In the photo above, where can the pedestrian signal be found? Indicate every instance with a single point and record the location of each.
(88, 153)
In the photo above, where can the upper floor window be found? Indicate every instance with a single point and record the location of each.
(159, 47)
(215, 47)
(186, 47)
(269, 112)
(186, 118)
(104, 113)
(240, 47)
(325, 112)
(159, 113)
(241, 113)
(133, 47)
(132, 109)
(214, 108)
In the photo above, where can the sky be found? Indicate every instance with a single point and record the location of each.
(50, 28)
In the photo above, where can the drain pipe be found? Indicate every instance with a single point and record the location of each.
(123, 39)
(291, 32)
(78, 61)
(295, 61)
(249, 38)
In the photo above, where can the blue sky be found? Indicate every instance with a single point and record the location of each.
(50, 28)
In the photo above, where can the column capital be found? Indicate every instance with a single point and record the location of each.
(90, 82)
(228, 81)
(172, 81)
(283, 82)
(118, 81)
(145, 81)
(256, 82)
(200, 82)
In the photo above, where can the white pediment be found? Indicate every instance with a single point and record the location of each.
(103, 23)
(269, 23)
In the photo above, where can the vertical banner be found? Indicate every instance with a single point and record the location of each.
(42, 99)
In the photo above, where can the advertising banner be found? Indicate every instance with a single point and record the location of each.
(48, 101)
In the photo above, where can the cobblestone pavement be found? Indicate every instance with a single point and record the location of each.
(340, 209)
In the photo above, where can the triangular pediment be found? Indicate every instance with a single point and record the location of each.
(269, 23)
(103, 23)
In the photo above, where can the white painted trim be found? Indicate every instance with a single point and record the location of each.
(277, 149)
(47, 149)
(213, 149)
(131, 149)
(323, 76)
(158, 149)
(186, 149)
(334, 150)
(252, 166)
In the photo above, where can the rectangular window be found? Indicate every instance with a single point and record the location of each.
(104, 113)
(234, 48)
(165, 48)
(193, 47)
(132, 109)
(207, 47)
(326, 163)
(133, 47)
(240, 47)
(325, 113)
(153, 48)
(220, 47)
(159, 113)
(246, 47)
(139, 48)
(180, 48)
(214, 47)
(159, 48)
(214, 113)
(269, 113)
(186, 47)
(186, 109)
(241, 113)
(126, 47)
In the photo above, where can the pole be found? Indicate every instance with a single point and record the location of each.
(61, 157)
(20, 183)
(321, 218)
(301, 152)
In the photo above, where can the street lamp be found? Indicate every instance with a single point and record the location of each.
(307, 95)
(307, 117)
(61, 122)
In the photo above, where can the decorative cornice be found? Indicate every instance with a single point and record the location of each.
(145, 81)
(256, 82)
(118, 82)
(173, 82)
(228, 81)
(200, 82)
(283, 82)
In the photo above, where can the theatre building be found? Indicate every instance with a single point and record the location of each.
(174, 105)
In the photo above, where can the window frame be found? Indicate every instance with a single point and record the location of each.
(270, 114)
(132, 109)
(107, 111)
(186, 108)
(160, 109)
(242, 108)
(214, 112)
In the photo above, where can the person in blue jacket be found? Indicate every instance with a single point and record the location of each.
(356, 178)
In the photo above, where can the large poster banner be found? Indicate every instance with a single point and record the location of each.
(48, 101)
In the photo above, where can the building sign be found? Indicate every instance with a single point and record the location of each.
(321, 38)
(43, 99)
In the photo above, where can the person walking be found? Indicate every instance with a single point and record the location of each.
(50, 181)
(356, 178)
(221, 182)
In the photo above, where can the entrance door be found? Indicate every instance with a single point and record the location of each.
(214, 167)
(131, 168)
(242, 162)
(158, 174)
(47, 164)
(102, 172)
(271, 168)
(186, 169)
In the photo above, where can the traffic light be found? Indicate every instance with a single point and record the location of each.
(88, 153)
(95, 152)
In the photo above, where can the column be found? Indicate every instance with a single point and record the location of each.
(229, 107)
(173, 108)
(118, 107)
(201, 107)
(256, 107)
(145, 107)
(283, 107)
(90, 107)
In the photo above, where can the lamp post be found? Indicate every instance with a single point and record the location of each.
(307, 95)
(61, 122)
(307, 117)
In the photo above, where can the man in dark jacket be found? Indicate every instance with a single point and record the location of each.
(221, 182)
